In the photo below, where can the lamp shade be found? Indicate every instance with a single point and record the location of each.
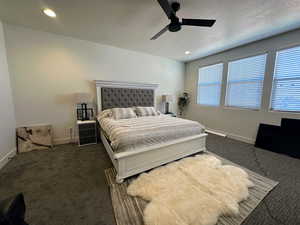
(83, 98)
(167, 98)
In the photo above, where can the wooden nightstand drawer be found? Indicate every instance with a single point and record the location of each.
(87, 131)
(88, 140)
(87, 126)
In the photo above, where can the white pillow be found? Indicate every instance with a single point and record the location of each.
(146, 111)
(123, 113)
(105, 114)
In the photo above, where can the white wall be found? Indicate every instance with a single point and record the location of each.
(7, 114)
(47, 69)
(239, 123)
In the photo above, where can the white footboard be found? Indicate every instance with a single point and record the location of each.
(134, 162)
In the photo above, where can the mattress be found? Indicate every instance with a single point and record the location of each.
(135, 133)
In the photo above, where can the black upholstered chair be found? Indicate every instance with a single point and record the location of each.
(12, 211)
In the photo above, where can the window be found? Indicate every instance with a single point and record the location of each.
(245, 82)
(286, 83)
(209, 85)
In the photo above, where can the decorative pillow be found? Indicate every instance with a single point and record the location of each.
(123, 113)
(105, 114)
(146, 111)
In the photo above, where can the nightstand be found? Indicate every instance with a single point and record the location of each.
(87, 132)
(171, 114)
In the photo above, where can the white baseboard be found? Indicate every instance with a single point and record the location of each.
(210, 131)
(230, 135)
(7, 157)
(67, 140)
(241, 138)
(64, 140)
(61, 141)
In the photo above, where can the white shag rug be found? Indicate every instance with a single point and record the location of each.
(192, 191)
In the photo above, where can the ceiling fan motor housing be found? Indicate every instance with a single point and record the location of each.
(175, 6)
(175, 25)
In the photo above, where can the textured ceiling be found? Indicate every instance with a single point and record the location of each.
(131, 23)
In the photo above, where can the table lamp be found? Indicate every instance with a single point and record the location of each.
(83, 99)
(167, 99)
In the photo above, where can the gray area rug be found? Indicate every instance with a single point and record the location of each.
(129, 210)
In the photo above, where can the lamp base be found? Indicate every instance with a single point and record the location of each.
(84, 112)
(167, 108)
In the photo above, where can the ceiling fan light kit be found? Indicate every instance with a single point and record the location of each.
(175, 24)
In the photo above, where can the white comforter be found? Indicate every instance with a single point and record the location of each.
(130, 134)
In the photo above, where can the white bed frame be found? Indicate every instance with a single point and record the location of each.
(134, 162)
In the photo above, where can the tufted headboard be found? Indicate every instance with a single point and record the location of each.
(112, 94)
(126, 97)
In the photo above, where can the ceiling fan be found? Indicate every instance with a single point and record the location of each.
(175, 25)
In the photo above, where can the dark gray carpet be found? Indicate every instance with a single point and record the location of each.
(282, 205)
(61, 187)
(67, 186)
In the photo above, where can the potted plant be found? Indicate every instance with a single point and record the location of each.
(183, 101)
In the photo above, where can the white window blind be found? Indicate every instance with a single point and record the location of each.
(245, 82)
(286, 83)
(209, 85)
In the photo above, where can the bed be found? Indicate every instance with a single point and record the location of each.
(140, 149)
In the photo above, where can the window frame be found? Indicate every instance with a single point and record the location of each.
(197, 84)
(273, 79)
(226, 106)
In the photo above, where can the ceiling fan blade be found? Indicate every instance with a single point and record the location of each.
(165, 5)
(198, 22)
(160, 33)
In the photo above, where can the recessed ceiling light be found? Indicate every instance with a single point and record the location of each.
(49, 12)
(187, 52)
